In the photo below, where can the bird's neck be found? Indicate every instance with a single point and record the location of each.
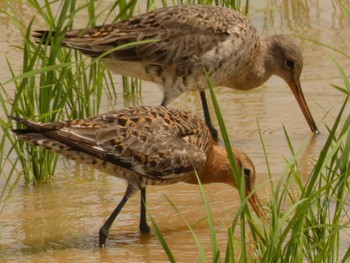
(265, 64)
(256, 71)
(217, 168)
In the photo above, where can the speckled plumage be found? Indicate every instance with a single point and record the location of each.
(144, 146)
(158, 144)
(184, 39)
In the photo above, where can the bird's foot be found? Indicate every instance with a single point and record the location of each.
(144, 228)
(103, 234)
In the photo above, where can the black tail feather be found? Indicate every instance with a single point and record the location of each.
(43, 36)
(19, 120)
(30, 126)
(20, 132)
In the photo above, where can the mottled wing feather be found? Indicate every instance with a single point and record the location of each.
(189, 31)
(161, 51)
(138, 140)
(160, 156)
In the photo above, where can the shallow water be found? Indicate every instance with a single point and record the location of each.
(59, 221)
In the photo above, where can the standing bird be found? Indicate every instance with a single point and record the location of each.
(186, 39)
(144, 146)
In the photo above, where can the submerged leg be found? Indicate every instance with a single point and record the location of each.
(107, 225)
(144, 228)
(207, 118)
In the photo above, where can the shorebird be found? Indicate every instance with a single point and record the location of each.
(144, 146)
(188, 38)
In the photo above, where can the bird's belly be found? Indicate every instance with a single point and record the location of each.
(170, 179)
(99, 164)
(118, 171)
(133, 69)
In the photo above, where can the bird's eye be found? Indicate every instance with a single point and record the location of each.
(290, 64)
(246, 172)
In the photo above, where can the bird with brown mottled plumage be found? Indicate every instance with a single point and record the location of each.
(144, 146)
(186, 38)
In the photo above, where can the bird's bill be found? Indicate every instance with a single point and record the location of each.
(257, 207)
(298, 93)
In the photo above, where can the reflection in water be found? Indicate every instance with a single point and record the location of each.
(305, 162)
(60, 220)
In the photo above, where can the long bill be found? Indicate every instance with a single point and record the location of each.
(298, 93)
(257, 207)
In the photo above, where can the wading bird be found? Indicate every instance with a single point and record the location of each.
(144, 146)
(187, 39)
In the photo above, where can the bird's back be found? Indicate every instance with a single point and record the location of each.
(183, 39)
(189, 29)
(156, 143)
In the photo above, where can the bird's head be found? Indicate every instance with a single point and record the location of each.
(287, 62)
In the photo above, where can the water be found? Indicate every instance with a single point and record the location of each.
(59, 221)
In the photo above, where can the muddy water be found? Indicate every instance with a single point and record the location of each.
(59, 221)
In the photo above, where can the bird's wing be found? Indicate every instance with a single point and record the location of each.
(144, 147)
(179, 33)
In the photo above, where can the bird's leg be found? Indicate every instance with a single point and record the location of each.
(164, 102)
(107, 225)
(207, 118)
(144, 228)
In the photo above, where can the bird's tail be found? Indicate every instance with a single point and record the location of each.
(38, 126)
(71, 39)
(43, 36)
(35, 134)
(30, 133)
(30, 125)
(45, 135)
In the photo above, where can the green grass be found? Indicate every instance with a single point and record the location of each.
(308, 230)
(56, 83)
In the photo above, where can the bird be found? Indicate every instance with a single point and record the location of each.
(181, 41)
(144, 145)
